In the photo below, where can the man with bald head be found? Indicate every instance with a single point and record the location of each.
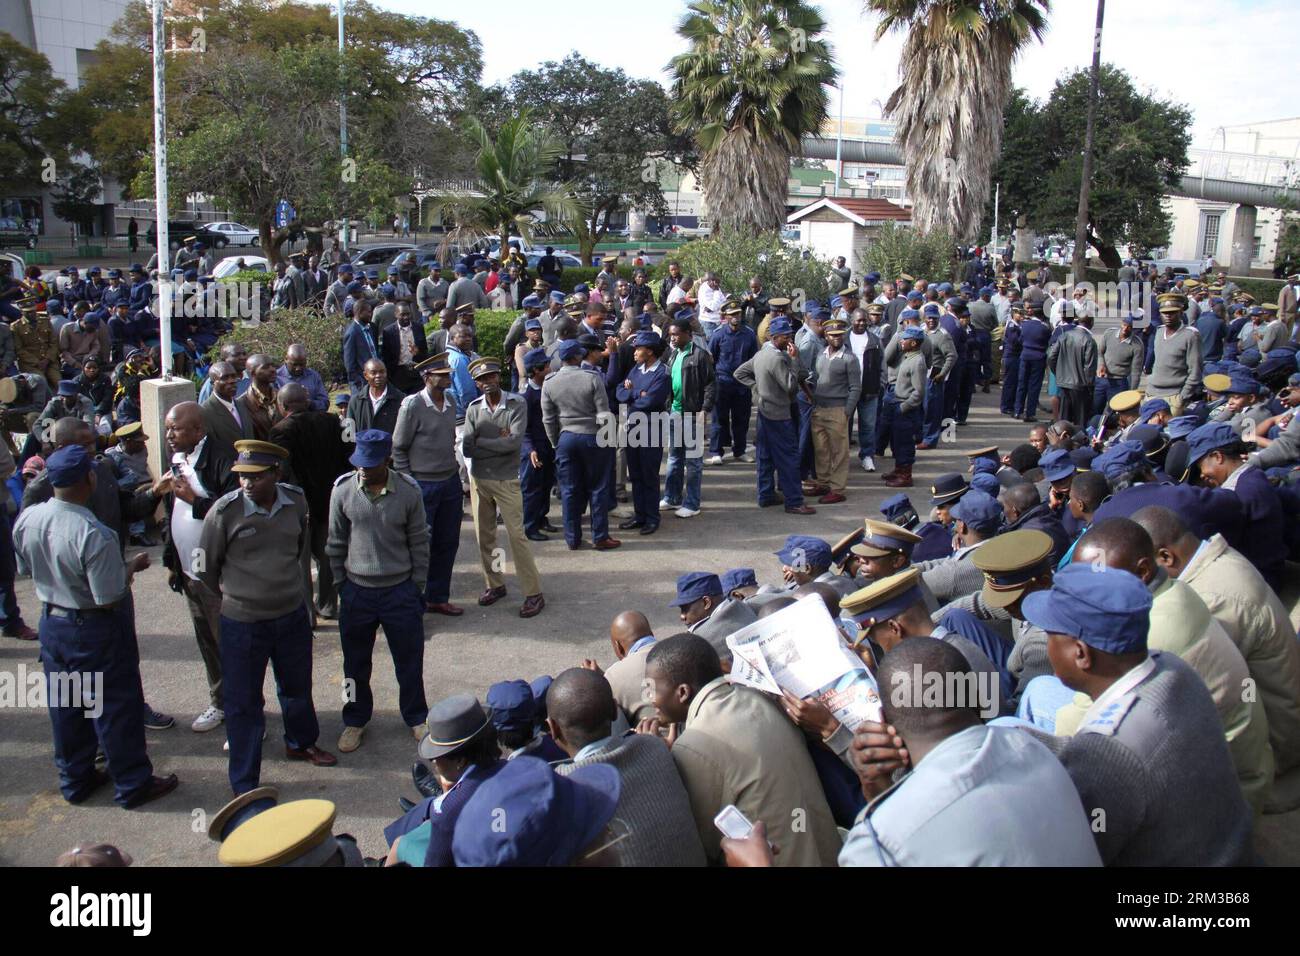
(631, 638)
(225, 422)
(199, 475)
(295, 369)
(318, 454)
(236, 355)
(653, 803)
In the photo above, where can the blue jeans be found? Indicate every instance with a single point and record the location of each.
(777, 452)
(868, 406)
(535, 485)
(88, 643)
(398, 610)
(935, 404)
(685, 461)
(444, 503)
(1104, 389)
(246, 648)
(582, 468)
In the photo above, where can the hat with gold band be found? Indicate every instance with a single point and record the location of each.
(130, 430)
(835, 327)
(254, 457)
(884, 599)
(843, 547)
(1010, 563)
(1126, 401)
(435, 365)
(484, 366)
(881, 538)
(288, 834)
(779, 302)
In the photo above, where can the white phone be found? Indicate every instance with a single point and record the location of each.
(733, 823)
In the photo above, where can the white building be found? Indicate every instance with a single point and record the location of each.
(1267, 153)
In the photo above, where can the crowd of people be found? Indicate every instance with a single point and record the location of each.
(1113, 581)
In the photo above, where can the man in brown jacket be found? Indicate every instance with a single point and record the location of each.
(737, 747)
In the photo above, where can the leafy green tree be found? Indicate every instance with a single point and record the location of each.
(899, 249)
(751, 85)
(956, 79)
(35, 125)
(736, 257)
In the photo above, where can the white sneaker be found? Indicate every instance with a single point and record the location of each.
(664, 504)
(868, 464)
(747, 458)
(713, 460)
(210, 719)
(685, 512)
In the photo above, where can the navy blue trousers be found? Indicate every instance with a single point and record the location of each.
(777, 453)
(932, 419)
(1106, 388)
(536, 485)
(885, 422)
(399, 610)
(906, 426)
(246, 648)
(643, 472)
(1030, 385)
(11, 618)
(443, 508)
(1010, 381)
(807, 458)
(582, 468)
(985, 340)
(952, 391)
(967, 391)
(87, 644)
(731, 413)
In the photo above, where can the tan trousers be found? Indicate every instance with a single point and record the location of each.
(830, 435)
(486, 497)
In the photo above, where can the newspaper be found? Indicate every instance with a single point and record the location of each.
(799, 649)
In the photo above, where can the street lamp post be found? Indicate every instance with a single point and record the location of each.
(160, 188)
(343, 125)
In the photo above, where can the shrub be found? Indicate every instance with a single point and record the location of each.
(899, 249)
(321, 335)
(572, 275)
(492, 328)
(736, 258)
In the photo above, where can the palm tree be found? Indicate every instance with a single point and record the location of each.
(750, 86)
(956, 79)
(513, 184)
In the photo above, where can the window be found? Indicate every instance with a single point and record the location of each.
(1258, 248)
(1210, 245)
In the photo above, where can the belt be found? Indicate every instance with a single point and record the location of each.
(74, 614)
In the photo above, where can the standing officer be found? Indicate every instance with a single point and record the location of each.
(646, 391)
(536, 454)
(776, 376)
(494, 432)
(732, 344)
(1034, 339)
(983, 320)
(907, 399)
(574, 404)
(1011, 359)
(87, 634)
(1120, 363)
(255, 545)
(945, 366)
(378, 548)
(424, 446)
(1072, 357)
(839, 383)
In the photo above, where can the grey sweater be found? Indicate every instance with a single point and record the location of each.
(653, 802)
(258, 563)
(839, 380)
(944, 351)
(1177, 366)
(1284, 449)
(495, 458)
(1160, 776)
(1122, 357)
(909, 386)
(424, 439)
(1073, 357)
(573, 400)
(774, 377)
(380, 543)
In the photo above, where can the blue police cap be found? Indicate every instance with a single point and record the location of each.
(388, 289)
(779, 326)
(531, 302)
(957, 305)
(1082, 457)
(349, 307)
(580, 288)
(93, 271)
(571, 348)
(461, 269)
(872, 277)
(1254, 310)
(1126, 318)
(1243, 385)
(738, 578)
(136, 267)
(987, 290)
(434, 264)
(1119, 458)
(355, 287)
(967, 288)
(530, 324)
(535, 357)
(647, 340)
(528, 815)
(1294, 381)
(943, 288)
(979, 510)
(931, 309)
(907, 315)
(1056, 464)
(685, 315)
(373, 448)
(68, 465)
(1150, 437)
(1152, 406)
(557, 296)
(985, 466)
(91, 319)
(67, 387)
(1104, 607)
(912, 332)
(899, 510)
(1207, 438)
(947, 488)
(54, 307)
(986, 482)
(694, 585)
(915, 296)
(393, 270)
(1181, 427)
(539, 686)
(115, 273)
(511, 705)
(836, 302)
(345, 268)
(805, 552)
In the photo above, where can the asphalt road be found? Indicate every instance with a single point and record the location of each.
(583, 589)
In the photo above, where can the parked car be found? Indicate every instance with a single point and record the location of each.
(231, 234)
(230, 265)
(11, 265)
(565, 259)
(376, 253)
(15, 232)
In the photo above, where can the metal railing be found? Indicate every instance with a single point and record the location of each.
(1243, 167)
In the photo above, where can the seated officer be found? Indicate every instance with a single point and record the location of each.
(514, 712)
(1125, 407)
(1149, 759)
(739, 583)
(804, 559)
(936, 539)
(705, 611)
(262, 832)
(885, 550)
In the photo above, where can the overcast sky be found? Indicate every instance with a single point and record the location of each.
(1231, 61)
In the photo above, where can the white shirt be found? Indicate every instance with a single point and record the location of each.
(375, 402)
(676, 294)
(711, 302)
(184, 526)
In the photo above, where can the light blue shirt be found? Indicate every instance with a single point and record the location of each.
(594, 747)
(73, 559)
(462, 383)
(987, 796)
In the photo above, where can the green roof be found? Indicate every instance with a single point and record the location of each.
(812, 177)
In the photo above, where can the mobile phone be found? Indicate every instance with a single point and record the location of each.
(733, 823)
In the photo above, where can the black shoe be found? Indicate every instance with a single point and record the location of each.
(97, 779)
(771, 503)
(550, 528)
(406, 805)
(649, 529)
(630, 523)
(425, 782)
(535, 536)
(1029, 419)
(156, 721)
(155, 788)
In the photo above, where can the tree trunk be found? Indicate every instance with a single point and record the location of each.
(1085, 181)
(1106, 251)
(266, 232)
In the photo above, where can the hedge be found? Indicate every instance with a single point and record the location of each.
(321, 335)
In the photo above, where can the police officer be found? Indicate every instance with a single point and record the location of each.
(574, 406)
(258, 832)
(494, 432)
(255, 546)
(378, 548)
(536, 454)
(87, 634)
(36, 346)
(944, 368)
(906, 403)
(424, 446)
(646, 391)
(1035, 336)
